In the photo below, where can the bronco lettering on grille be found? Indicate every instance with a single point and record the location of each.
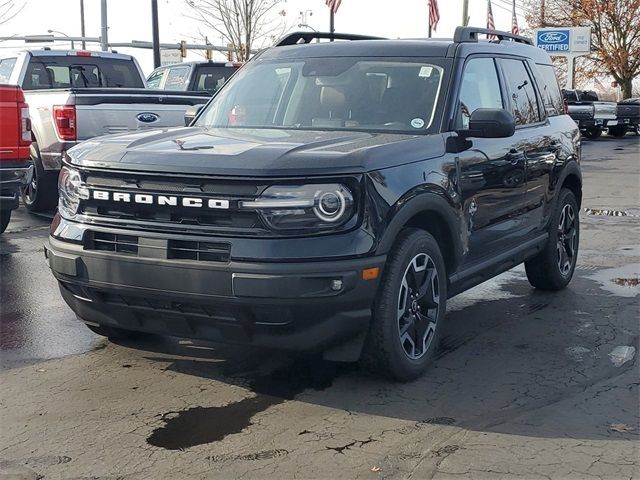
(161, 200)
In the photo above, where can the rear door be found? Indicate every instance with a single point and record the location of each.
(537, 136)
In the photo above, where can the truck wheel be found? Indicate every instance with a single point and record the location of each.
(617, 131)
(553, 268)
(113, 333)
(409, 309)
(5, 218)
(593, 133)
(42, 193)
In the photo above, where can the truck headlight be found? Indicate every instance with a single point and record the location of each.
(71, 190)
(304, 207)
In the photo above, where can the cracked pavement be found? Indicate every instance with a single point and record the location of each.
(523, 387)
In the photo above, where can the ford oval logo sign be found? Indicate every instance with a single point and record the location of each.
(147, 117)
(554, 37)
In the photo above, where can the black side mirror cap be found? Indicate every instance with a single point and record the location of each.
(490, 123)
(191, 112)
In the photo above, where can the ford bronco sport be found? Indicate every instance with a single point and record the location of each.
(329, 198)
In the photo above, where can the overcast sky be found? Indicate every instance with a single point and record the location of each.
(131, 20)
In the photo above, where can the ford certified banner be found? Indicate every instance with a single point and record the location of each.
(564, 40)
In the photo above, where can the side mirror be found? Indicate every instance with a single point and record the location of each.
(490, 123)
(192, 112)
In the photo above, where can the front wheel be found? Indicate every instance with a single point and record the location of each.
(5, 218)
(409, 309)
(617, 131)
(552, 269)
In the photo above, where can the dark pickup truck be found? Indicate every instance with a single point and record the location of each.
(330, 198)
(628, 116)
(590, 114)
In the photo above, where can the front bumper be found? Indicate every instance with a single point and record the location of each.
(304, 306)
(11, 179)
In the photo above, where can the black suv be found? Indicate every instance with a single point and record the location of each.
(330, 198)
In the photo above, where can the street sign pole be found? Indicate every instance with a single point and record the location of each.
(156, 33)
(104, 34)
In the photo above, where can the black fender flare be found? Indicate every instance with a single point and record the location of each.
(425, 202)
(571, 168)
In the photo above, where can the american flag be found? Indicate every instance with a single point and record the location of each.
(514, 21)
(490, 23)
(434, 14)
(333, 5)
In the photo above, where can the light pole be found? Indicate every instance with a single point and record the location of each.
(73, 45)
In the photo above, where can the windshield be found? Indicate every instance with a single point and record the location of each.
(330, 94)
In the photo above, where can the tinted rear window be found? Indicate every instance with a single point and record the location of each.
(81, 72)
(211, 78)
(550, 91)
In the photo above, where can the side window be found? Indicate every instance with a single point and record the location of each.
(177, 78)
(6, 67)
(155, 78)
(524, 104)
(480, 89)
(550, 91)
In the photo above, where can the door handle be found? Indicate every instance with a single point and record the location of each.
(515, 156)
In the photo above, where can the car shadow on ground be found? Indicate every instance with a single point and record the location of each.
(501, 363)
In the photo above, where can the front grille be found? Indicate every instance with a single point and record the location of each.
(231, 221)
(199, 251)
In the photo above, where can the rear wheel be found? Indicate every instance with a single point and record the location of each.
(617, 131)
(113, 333)
(5, 218)
(409, 309)
(552, 269)
(593, 133)
(42, 193)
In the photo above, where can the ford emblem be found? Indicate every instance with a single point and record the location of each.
(147, 117)
(554, 37)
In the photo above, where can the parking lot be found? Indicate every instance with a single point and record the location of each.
(527, 384)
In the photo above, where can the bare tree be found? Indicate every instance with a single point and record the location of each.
(9, 9)
(241, 23)
(615, 28)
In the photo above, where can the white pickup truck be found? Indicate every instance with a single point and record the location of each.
(77, 95)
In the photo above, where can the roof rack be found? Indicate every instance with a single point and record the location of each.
(306, 37)
(470, 34)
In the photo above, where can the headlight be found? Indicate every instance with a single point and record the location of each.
(304, 207)
(71, 190)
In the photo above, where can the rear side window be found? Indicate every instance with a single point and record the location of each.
(480, 89)
(524, 104)
(550, 91)
(6, 67)
(80, 72)
(210, 78)
(155, 78)
(177, 78)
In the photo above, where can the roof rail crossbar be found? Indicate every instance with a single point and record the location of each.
(306, 37)
(470, 34)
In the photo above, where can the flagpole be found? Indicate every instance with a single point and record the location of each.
(332, 27)
(429, 29)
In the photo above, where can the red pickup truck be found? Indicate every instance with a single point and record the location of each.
(15, 142)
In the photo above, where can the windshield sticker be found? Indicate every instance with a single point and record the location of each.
(417, 123)
(425, 71)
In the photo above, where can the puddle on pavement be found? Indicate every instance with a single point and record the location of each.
(606, 213)
(622, 281)
(200, 425)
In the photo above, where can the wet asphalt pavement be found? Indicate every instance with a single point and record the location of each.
(527, 383)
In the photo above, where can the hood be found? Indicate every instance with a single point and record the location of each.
(254, 152)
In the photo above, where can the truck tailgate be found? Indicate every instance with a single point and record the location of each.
(134, 109)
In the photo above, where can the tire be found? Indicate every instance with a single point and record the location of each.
(5, 218)
(113, 333)
(552, 269)
(617, 131)
(593, 133)
(392, 347)
(42, 193)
